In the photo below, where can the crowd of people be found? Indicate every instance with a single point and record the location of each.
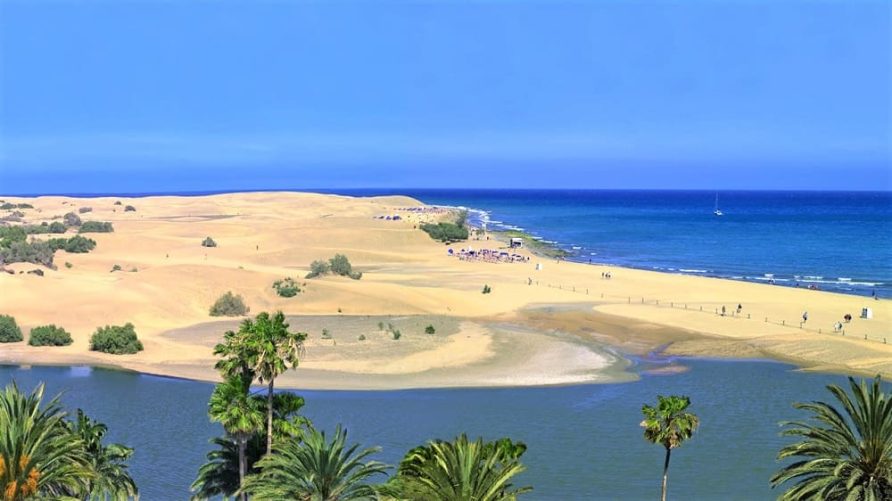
(488, 255)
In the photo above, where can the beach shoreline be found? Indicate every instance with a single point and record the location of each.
(541, 313)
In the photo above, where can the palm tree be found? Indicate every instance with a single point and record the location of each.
(460, 470)
(220, 476)
(273, 350)
(844, 453)
(669, 424)
(232, 406)
(39, 457)
(108, 462)
(315, 469)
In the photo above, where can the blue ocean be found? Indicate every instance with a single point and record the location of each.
(838, 241)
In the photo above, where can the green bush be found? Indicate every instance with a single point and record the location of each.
(397, 335)
(380, 326)
(68, 265)
(286, 287)
(361, 337)
(96, 227)
(229, 305)
(8, 206)
(129, 208)
(44, 227)
(326, 334)
(9, 330)
(20, 251)
(487, 289)
(430, 330)
(49, 335)
(72, 219)
(318, 268)
(116, 339)
(115, 268)
(208, 242)
(84, 210)
(75, 245)
(11, 234)
(445, 232)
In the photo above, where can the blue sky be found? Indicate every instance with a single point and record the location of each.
(136, 96)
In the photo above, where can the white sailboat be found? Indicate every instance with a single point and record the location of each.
(717, 211)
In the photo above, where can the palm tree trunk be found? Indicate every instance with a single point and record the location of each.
(269, 417)
(242, 464)
(666, 473)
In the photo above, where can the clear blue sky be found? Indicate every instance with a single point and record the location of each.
(125, 96)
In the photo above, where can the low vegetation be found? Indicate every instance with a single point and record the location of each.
(208, 242)
(9, 330)
(10, 206)
(229, 305)
(430, 329)
(49, 335)
(96, 227)
(338, 265)
(75, 245)
(116, 340)
(84, 210)
(445, 232)
(129, 208)
(286, 287)
(115, 268)
(44, 227)
(487, 289)
(72, 219)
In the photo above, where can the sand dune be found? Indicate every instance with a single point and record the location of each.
(263, 237)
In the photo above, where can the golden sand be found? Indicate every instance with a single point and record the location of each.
(547, 326)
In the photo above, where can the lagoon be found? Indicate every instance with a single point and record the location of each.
(584, 441)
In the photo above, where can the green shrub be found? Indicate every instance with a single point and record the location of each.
(430, 330)
(116, 339)
(229, 305)
(49, 335)
(115, 268)
(11, 234)
(326, 334)
(44, 227)
(318, 268)
(361, 337)
(8, 206)
(208, 242)
(129, 208)
(84, 210)
(96, 227)
(72, 219)
(487, 289)
(397, 335)
(9, 330)
(75, 245)
(286, 287)
(20, 251)
(445, 232)
(380, 326)
(68, 265)
(340, 265)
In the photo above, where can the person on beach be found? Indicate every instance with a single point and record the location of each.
(739, 308)
(804, 316)
(848, 317)
(723, 310)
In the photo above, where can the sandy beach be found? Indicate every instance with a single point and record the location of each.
(545, 322)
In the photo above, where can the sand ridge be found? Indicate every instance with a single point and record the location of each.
(263, 237)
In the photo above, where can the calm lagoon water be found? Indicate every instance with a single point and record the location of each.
(584, 441)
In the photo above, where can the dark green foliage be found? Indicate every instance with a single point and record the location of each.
(129, 208)
(10, 206)
(115, 268)
(96, 227)
(339, 265)
(111, 480)
(445, 232)
(219, 476)
(43, 228)
(10, 234)
(20, 251)
(286, 287)
(208, 242)
(72, 219)
(318, 268)
(68, 265)
(430, 330)
(9, 330)
(49, 335)
(397, 334)
(487, 289)
(76, 244)
(229, 305)
(116, 339)
(84, 210)
(380, 326)
(362, 337)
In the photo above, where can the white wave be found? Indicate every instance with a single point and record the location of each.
(692, 271)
